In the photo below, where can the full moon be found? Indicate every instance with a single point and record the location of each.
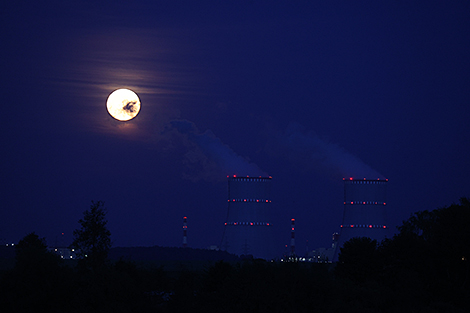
(123, 104)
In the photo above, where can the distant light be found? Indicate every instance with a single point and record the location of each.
(234, 175)
(370, 226)
(350, 178)
(352, 225)
(267, 224)
(385, 226)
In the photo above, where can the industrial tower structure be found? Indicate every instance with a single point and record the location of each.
(364, 210)
(185, 228)
(292, 238)
(248, 228)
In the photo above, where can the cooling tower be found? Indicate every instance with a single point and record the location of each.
(248, 229)
(364, 210)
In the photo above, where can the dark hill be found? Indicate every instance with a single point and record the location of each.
(157, 253)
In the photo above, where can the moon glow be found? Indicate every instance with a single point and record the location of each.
(123, 104)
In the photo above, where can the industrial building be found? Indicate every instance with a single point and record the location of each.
(323, 255)
(248, 227)
(364, 212)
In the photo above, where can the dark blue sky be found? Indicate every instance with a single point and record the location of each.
(307, 93)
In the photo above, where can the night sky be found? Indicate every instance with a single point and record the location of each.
(307, 92)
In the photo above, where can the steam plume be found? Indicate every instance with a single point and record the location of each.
(311, 152)
(208, 157)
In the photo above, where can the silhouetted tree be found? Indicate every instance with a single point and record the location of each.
(93, 240)
(357, 259)
(217, 275)
(451, 238)
(426, 263)
(32, 254)
(435, 245)
(38, 282)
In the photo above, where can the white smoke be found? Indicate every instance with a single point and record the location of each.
(207, 157)
(309, 151)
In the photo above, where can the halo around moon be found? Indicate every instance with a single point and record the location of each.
(123, 104)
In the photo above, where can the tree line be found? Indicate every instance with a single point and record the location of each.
(423, 268)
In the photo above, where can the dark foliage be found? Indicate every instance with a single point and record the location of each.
(425, 265)
(157, 253)
(32, 256)
(424, 268)
(93, 240)
(38, 282)
(259, 286)
(358, 260)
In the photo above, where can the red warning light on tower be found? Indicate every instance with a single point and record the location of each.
(292, 238)
(185, 228)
